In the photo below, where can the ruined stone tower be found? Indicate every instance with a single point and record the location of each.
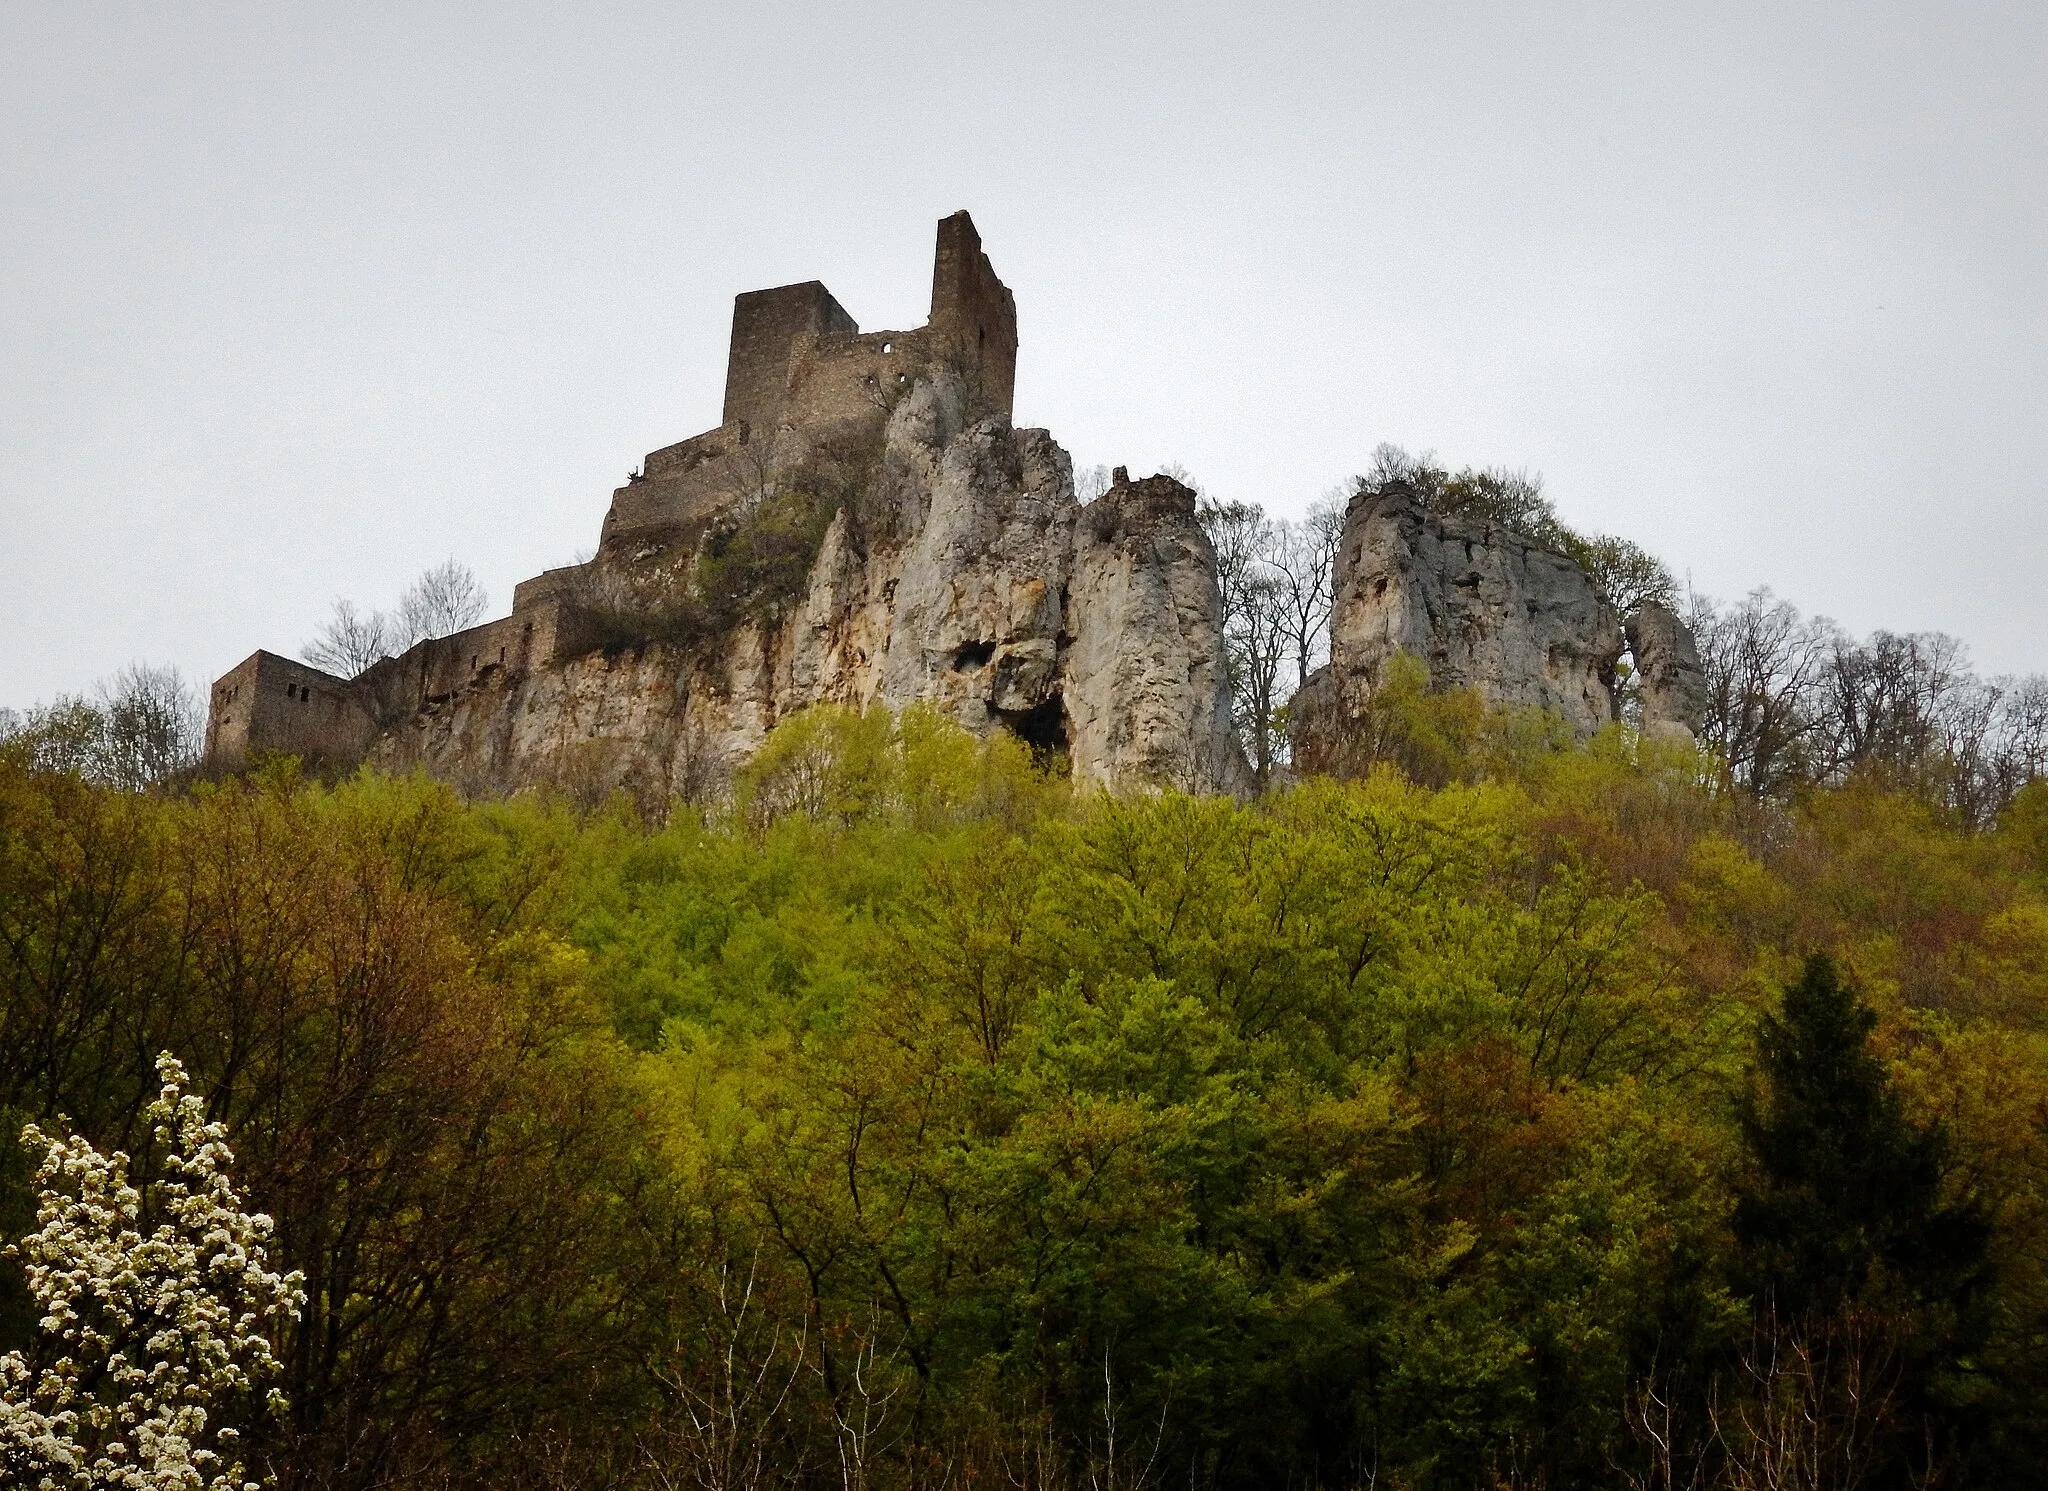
(955, 570)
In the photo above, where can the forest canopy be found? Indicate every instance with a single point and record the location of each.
(1514, 1115)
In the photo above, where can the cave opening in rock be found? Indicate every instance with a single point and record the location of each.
(1042, 727)
(971, 655)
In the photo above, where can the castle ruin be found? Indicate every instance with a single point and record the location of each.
(865, 527)
(955, 569)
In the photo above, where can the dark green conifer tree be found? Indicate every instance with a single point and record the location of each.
(1846, 1238)
(1846, 1193)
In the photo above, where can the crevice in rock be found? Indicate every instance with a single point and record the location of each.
(1042, 727)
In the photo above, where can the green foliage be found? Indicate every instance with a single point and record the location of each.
(832, 764)
(1626, 573)
(1438, 737)
(1845, 1184)
(916, 1120)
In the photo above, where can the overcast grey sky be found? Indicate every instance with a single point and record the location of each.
(300, 299)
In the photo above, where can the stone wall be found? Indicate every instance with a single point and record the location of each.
(974, 316)
(269, 703)
(802, 377)
(767, 327)
(959, 570)
(992, 593)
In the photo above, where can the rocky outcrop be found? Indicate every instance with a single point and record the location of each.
(1147, 687)
(866, 528)
(863, 528)
(1482, 607)
(977, 583)
(1671, 686)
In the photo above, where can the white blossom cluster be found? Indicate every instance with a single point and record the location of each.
(143, 1337)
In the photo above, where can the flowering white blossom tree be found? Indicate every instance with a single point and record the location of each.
(144, 1338)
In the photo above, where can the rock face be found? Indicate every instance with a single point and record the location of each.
(1148, 689)
(1672, 685)
(1482, 607)
(954, 567)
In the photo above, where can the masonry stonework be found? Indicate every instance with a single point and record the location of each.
(272, 703)
(955, 568)
(961, 573)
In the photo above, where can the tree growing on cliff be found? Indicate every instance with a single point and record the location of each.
(148, 1339)
(1625, 572)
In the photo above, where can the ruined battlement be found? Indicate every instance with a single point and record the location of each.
(801, 374)
(798, 360)
(864, 527)
(768, 326)
(272, 703)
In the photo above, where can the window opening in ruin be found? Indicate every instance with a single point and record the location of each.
(888, 346)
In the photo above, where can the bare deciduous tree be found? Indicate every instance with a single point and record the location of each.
(1305, 561)
(1254, 623)
(729, 1429)
(441, 601)
(135, 729)
(1762, 661)
(349, 641)
(154, 724)
(1795, 701)
(1276, 582)
(1813, 1408)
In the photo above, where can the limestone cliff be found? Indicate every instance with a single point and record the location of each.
(1669, 680)
(1482, 607)
(1488, 609)
(995, 595)
(864, 527)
